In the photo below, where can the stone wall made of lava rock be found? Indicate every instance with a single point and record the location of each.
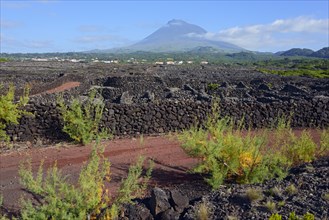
(165, 116)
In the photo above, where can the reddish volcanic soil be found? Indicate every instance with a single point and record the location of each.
(171, 163)
(63, 87)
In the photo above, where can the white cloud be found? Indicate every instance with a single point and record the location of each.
(101, 38)
(91, 28)
(281, 33)
(10, 42)
(14, 5)
(148, 25)
(6, 24)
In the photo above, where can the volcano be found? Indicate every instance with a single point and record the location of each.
(179, 36)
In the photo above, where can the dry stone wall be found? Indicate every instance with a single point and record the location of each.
(165, 116)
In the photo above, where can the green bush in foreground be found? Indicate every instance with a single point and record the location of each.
(293, 216)
(81, 120)
(87, 199)
(234, 154)
(324, 143)
(229, 154)
(10, 111)
(296, 149)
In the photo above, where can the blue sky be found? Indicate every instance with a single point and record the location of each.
(61, 26)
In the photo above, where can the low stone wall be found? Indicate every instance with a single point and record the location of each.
(168, 116)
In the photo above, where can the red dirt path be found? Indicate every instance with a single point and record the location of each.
(63, 87)
(170, 160)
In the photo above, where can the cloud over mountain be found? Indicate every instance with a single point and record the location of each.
(282, 32)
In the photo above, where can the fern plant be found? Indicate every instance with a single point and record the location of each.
(81, 120)
(10, 111)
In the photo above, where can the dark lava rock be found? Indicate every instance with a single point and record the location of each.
(241, 85)
(324, 99)
(224, 85)
(159, 201)
(230, 201)
(169, 214)
(266, 99)
(179, 201)
(291, 88)
(203, 96)
(263, 87)
(136, 212)
(149, 95)
(189, 88)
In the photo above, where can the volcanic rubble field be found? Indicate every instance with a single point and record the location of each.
(131, 84)
(147, 83)
(231, 201)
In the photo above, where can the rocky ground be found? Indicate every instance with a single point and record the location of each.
(304, 190)
(127, 84)
(148, 83)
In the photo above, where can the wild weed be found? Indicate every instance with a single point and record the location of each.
(10, 111)
(203, 211)
(324, 143)
(308, 216)
(131, 187)
(270, 206)
(326, 197)
(254, 195)
(230, 154)
(275, 191)
(87, 199)
(275, 216)
(302, 149)
(291, 189)
(82, 120)
(293, 216)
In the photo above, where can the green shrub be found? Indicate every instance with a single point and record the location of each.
(292, 216)
(326, 197)
(275, 216)
(10, 111)
(308, 216)
(270, 206)
(129, 188)
(275, 191)
(231, 154)
(81, 120)
(212, 86)
(87, 199)
(281, 204)
(203, 211)
(294, 149)
(62, 200)
(254, 194)
(324, 143)
(302, 149)
(291, 190)
(3, 59)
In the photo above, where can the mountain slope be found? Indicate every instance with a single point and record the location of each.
(178, 35)
(322, 53)
(297, 52)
